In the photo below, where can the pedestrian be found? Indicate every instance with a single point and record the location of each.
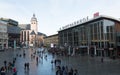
(5, 63)
(55, 62)
(17, 54)
(46, 56)
(31, 56)
(63, 68)
(59, 71)
(24, 55)
(14, 60)
(37, 59)
(53, 54)
(102, 59)
(25, 66)
(2, 71)
(71, 72)
(20, 55)
(13, 64)
(28, 66)
(9, 66)
(75, 72)
(59, 61)
(14, 71)
(65, 72)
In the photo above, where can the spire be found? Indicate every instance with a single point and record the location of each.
(33, 14)
(33, 18)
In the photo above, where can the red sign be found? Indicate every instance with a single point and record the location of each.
(96, 14)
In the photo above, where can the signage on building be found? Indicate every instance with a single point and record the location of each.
(110, 48)
(96, 14)
(75, 23)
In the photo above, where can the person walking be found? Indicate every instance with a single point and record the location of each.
(59, 71)
(5, 65)
(102, 59)
(14, 71)
(28, 67)
(71, 72)
(25, 66)
(52, 62)
(37, 59)
(2, 71)
(75, 72)
(9, 66)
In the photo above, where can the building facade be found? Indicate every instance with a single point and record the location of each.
(51, 40)
(30, 35)
(3, 35)
(13, 32)
(99, 36)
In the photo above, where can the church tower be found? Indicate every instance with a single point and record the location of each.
(34, 24)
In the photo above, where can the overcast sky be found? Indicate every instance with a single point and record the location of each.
(53, 14)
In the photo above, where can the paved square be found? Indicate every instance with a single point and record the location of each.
(84, 64)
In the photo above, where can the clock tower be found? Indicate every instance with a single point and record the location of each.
(34, 24)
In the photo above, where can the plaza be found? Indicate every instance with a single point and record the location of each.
(86, 65)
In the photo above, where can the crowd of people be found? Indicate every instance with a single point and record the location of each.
(63, 70)
(8, 67)
(60, 68)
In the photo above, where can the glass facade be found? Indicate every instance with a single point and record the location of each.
(99, 34)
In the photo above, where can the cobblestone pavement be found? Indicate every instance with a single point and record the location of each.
(86, 65)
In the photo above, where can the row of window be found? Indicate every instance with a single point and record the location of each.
(3, 35)
(3, 40)
(25, 34)
(86, 34)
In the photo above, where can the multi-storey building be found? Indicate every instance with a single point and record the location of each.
(13, 32)
(98, 36)
(3, 35)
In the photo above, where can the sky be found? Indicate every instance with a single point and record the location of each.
(53, 14)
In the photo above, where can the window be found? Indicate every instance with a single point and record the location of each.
(118, 38)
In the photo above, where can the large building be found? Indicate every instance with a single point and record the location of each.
(51, 41)
(13, 32)
(3, 35)
(30, 35)
(98, 36)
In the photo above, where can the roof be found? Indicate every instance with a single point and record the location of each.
(3, 22)
(51, 36)
(32, 33)
(92, 20)
(10, 21)
(39, 33)
(103, 17)
(24, 26)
